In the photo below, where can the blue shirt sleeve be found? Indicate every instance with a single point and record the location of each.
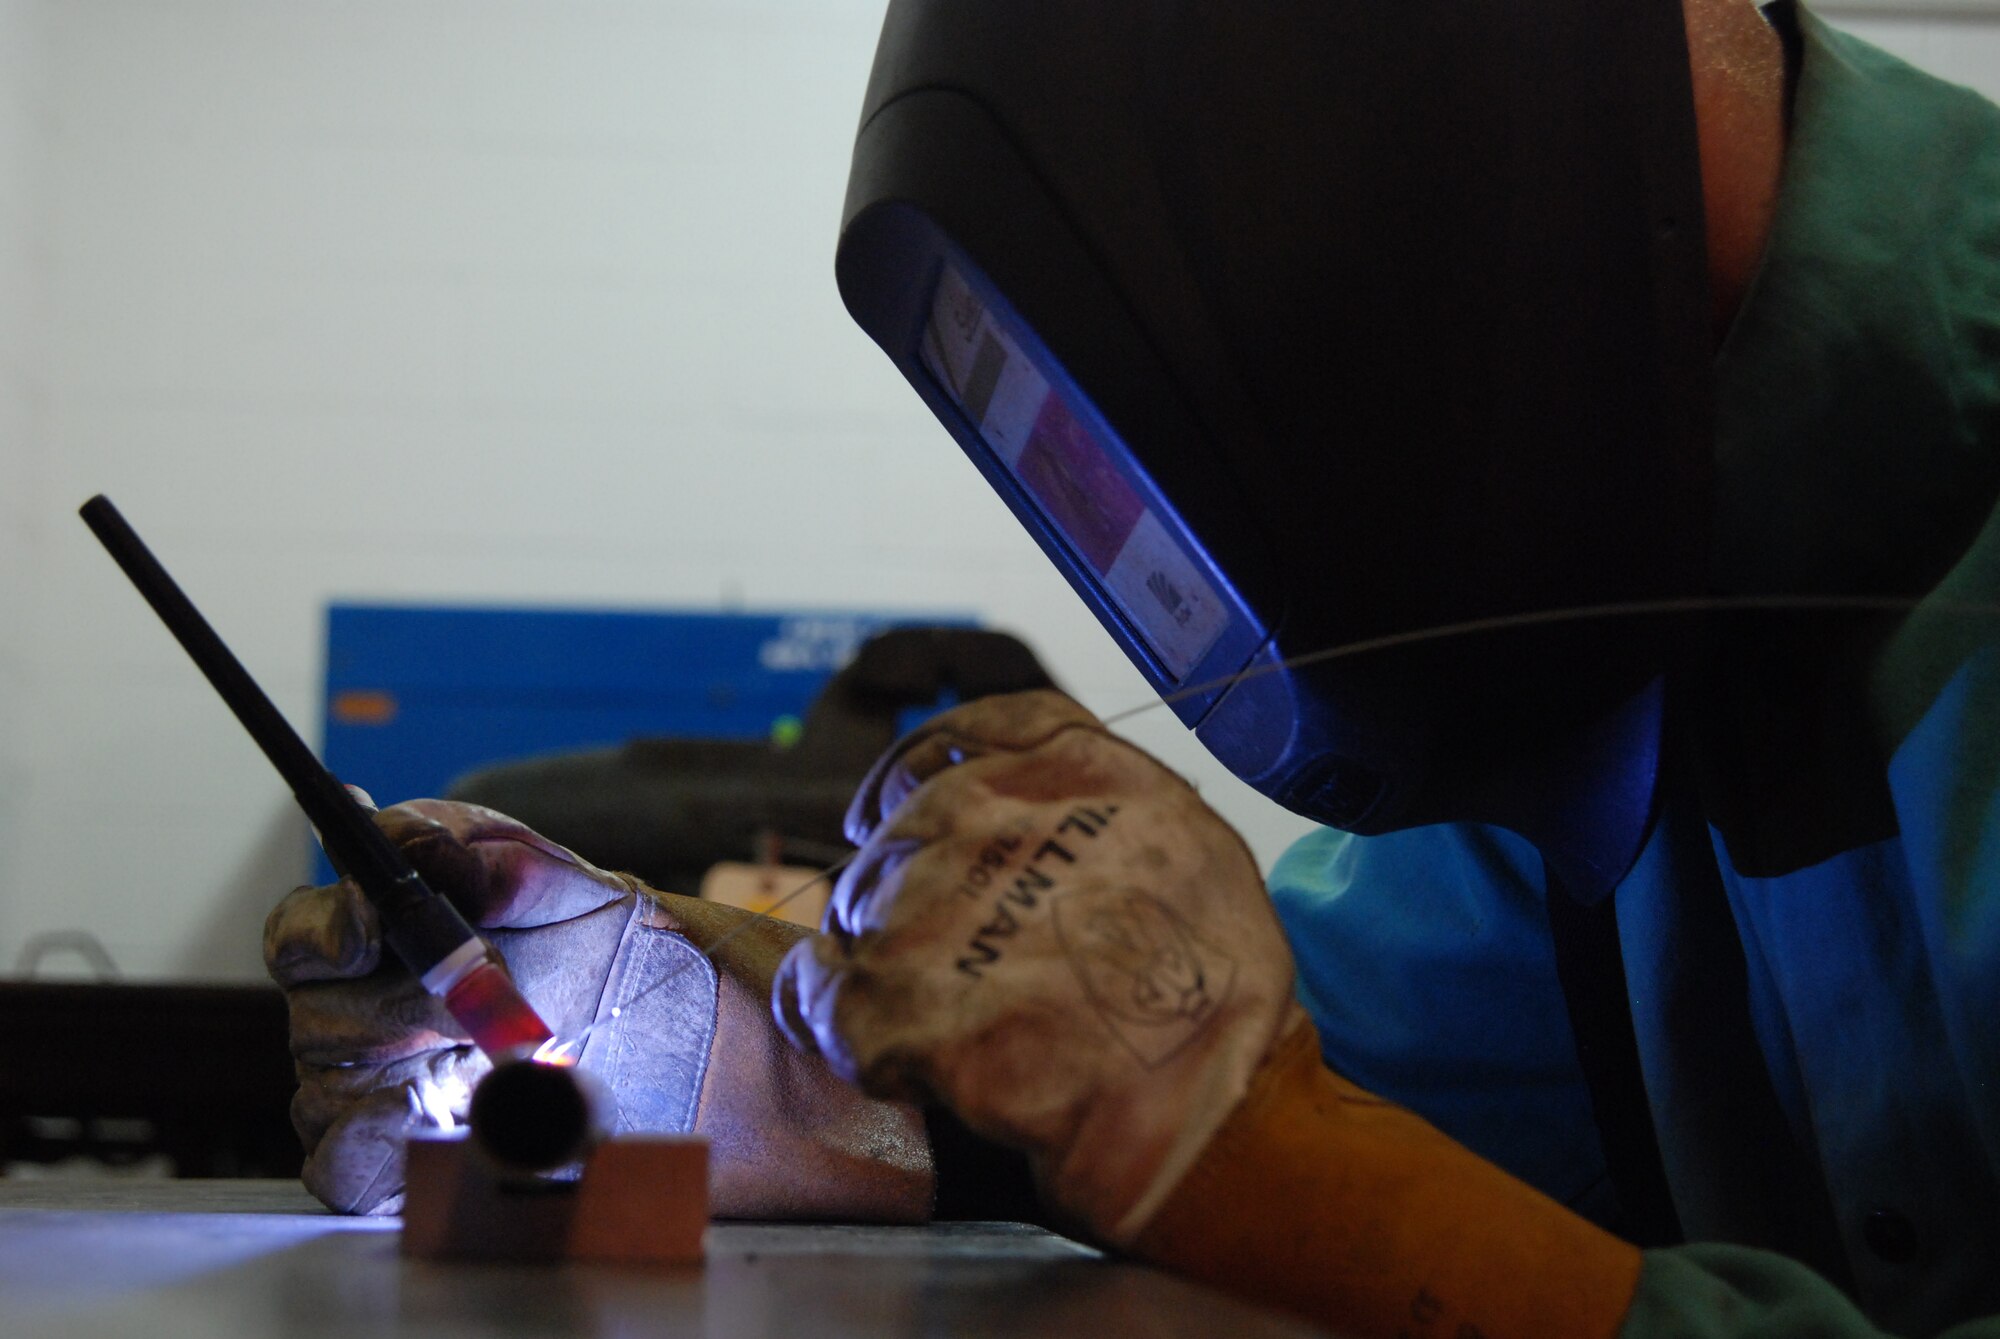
(1425, 962)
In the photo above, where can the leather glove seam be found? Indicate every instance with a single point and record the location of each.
(639, 959)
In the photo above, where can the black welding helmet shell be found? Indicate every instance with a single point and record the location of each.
(1301, 325)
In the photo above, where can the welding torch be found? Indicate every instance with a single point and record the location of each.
(420, 926)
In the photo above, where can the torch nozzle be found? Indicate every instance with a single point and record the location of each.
(489, 1006)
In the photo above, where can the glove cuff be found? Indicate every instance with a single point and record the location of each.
(1324, 1199)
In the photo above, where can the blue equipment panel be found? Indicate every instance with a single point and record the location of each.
(416, 696)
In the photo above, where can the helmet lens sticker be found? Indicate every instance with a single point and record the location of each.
(1066, 464)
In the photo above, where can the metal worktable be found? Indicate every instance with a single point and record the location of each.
(221, 1259)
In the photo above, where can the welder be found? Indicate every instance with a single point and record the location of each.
(1643, 980)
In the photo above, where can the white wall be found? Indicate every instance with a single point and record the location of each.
(24, 142)
(508, 300)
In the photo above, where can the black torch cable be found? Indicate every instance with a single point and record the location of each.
(420, 926)
(315, 787)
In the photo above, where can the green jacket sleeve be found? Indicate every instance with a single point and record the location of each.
(1734, 1292)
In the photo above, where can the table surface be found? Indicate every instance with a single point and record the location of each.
(218, 1259)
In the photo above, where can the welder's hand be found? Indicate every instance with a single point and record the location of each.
(680, 1042)
(1049, 932)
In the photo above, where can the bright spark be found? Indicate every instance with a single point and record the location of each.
(555, 1051)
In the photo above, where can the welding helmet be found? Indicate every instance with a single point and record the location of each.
(1299, 330)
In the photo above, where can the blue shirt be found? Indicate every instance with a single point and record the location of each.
(1812, 933)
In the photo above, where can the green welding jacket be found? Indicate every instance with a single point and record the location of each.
(1812, 933)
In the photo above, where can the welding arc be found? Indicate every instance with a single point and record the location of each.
(1866, 604)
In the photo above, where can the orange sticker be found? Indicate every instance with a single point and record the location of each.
(357, 706)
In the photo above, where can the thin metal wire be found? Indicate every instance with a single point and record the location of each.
(755, 920)
(1698, 604)
(1390, 641)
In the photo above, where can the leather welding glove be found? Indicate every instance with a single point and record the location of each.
(690, 1046)
(1050, 933)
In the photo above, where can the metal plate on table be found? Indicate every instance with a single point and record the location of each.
(221, 1259)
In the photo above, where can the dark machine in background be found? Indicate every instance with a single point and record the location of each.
(669, 809)
(119, 1074)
